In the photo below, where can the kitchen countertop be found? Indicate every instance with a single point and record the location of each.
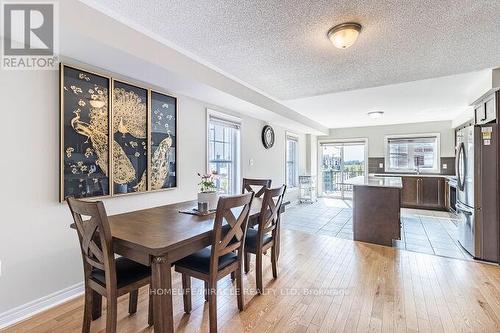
(379, 181)
(411, 175)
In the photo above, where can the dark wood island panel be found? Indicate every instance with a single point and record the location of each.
(376, 214)
(376, 210)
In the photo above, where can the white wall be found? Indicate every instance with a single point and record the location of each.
(375, 135)
(38, 251)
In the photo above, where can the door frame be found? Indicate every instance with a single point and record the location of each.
(319, 187)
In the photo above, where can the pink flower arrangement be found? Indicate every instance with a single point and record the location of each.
(207, 183)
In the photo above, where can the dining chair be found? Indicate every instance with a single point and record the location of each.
(261, 185)
(223, 257)
(105, 275)
(266, 235)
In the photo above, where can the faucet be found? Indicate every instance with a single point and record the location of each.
(417, 169)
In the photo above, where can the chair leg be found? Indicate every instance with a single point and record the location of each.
(150, 311)
(186, 292)
(239, 289)
(212, 306)
(206, 291)
(274, 261)
(258, 271)
(96, 305)
(87, 312)
(132, 302)
(111, 314)
(247, 262)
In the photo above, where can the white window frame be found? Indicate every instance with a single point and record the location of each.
(236, 182)
(319, 157)
(436, 169)
(294, 137)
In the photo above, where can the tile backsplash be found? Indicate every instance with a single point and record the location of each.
(376, 165)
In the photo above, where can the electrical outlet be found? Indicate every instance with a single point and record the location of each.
(250, 162)
(380, 165)
(445, 166)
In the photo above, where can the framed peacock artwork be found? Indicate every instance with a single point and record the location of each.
(117, 138)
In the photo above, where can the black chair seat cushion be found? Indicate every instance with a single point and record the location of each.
(200, 261)
(251, 239)
(127, 272)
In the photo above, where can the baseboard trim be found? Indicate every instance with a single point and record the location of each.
(17, 314)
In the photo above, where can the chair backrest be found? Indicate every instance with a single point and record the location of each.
(270, 212)
(230, 238)
(94, 233)
(261, 184)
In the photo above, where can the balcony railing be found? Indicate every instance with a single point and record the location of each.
(333, 180)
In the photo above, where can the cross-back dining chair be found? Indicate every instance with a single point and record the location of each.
(103, 274)
(260, 184)
(266, 236)
(223, 257)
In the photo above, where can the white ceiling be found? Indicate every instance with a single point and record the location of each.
(281, 48)
(444, 98)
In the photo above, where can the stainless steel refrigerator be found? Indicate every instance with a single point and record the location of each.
(477, 190)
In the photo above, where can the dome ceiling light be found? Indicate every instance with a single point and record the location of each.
(344, 35)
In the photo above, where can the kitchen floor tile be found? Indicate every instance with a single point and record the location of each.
(456, 253)
(431, 232)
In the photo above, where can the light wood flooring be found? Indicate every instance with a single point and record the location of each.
(327, 284)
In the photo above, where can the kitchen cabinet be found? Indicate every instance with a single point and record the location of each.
(485, 110)
(432, 192)
(423, 192)
(409, 195)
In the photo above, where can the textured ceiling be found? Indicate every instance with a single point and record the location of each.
(281, 48)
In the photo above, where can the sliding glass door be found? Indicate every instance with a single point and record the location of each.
(340, 161)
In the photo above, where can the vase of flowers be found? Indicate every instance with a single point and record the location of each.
(208, 190)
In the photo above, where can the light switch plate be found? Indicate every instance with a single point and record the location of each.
(381, 165)
(445, 166)
(250, 162)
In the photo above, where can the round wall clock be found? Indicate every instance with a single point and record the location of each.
(267, 136)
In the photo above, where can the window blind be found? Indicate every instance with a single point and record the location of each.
(224, 122)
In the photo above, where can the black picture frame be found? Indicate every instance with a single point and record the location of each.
(163, 143)
(84, 133)
(130, 138)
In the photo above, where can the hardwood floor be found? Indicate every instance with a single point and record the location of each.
(327, 284)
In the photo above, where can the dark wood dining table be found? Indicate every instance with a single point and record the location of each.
(158, 237)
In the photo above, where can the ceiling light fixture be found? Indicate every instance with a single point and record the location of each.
(375, 114)
(344, 35)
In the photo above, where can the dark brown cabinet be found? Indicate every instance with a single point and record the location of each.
(409, 195)
(486, 110)
(423, 192)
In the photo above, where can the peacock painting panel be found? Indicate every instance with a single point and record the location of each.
(84, 116)
(163, 141)
(129, 127)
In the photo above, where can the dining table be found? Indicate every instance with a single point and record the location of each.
(160, 236)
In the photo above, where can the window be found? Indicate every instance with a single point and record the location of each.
(410, 153)
(224, 151)
(292, 161)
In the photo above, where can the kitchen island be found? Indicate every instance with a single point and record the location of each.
(376, 209)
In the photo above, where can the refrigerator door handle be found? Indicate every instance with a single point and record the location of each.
(462, 208)
(460, 157)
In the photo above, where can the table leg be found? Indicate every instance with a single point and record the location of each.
(162, 295)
